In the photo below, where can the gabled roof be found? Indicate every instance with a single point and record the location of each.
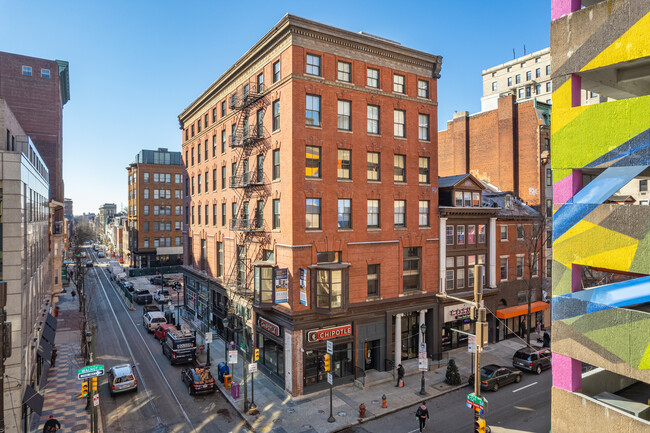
(451, 181)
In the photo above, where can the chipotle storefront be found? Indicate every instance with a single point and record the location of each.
(315, 377)
(271, 345)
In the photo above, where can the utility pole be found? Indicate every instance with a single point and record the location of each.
(5, 348)
(481, 330)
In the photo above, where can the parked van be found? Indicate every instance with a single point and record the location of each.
(121, 378)
(180, 345)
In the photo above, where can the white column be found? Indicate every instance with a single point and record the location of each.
(398, 339)
(493, 253)
(443, 254)
(422, 313)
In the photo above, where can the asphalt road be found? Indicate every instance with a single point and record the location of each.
(522, 407)
(162, 403)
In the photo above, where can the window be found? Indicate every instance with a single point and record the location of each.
(521, 92)
(345, 213)
(373, 213)
(146, 226)
(423, 213)
(458, 198)
(494, 86)
(520, 267)
(27, 71)
(467, 199)
(276, 164)
(276, 213)
(198, 127)
(313, 64)
(535, 264)
(549, 208)
(45, 73)
(398, 123)
(411, 269)
(423, 89)
(471, 234)
(517, 79)
(312, 162)
(223, 215)
(205, 120)
(156, 174)
(220, 259)
(504, 232)
(399, 168)
(146, 210)
(223, 177)
(312, 111)
(276, 71)
(423, 169)
(372, 77)
(538, 89)
(264, 284)
(146, 242)
(548, 69)
(373, 169)
(207, 215)
(449, 277)
(146, 177)
(470, 277)
(643, 184)
(504, 268)
(214, 115)
(373, 119)
(423, 127)
(199, 184)
(450, 235)
(538, 73)
(260, 83)
(214, 180)
(146, 193)
(529, 76)
(509, 81)
(276, 115)
(344, 115)
(520, 232)
(344, 71)
(178, 210)
(329, 288)
(460, 235)
(527, 91)
(344, 164)
(548, 86)
(460, 278)
(549, 268)
(400, 213)
(192, 130)
(373, 280)
(312, 213)
(398, 83)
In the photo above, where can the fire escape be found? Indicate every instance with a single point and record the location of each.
(250, 142)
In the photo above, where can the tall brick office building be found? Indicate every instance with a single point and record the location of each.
(312, 177)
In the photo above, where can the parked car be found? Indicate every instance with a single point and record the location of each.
(89, 264)
(147, 308)
(162, 295)
(198, 380)
(142, 296)
(152, 320)
(121, 378)
(159, 280)
(100, 254)
(532, 359)
(493, 377)
(163, 330)
(129, 287)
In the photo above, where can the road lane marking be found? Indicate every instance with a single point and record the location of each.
(524, 387)
(187, 418)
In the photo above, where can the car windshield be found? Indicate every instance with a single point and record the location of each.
(158, 319)
(487, 371)
(201, 375)
(164, 293)
(122, 379)
(520, 354)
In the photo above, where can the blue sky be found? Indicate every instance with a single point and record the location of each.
(136, 64)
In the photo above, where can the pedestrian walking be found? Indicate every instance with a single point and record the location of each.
(53, 359)
(422, 414)
(400, 375)
(538, 330)
(51, 425)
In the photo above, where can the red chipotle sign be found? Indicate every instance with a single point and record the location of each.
(269, 327)
(327, 333)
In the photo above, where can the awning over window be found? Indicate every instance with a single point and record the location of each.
(520, 310)
(33, 399)
(51, 321)
(45, 350)
(48, 334)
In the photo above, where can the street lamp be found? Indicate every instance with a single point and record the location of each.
(423, 328)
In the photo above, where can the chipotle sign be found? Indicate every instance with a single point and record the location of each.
(269, 327)
(327, 333)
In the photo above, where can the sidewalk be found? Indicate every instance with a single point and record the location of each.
(62, 386)
(274, 404)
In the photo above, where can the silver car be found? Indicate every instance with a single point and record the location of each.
(121, 378)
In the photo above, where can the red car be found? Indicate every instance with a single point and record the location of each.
(162, 330)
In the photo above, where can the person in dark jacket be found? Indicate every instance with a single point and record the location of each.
(400, 374)
(51, 425)
(422, 414)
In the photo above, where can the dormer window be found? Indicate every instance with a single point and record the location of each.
(508, 201)
(459, 199)
(476, 199)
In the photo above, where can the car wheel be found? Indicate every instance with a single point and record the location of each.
(189, 389)
(518, 378)
(538, 370)
(495, 388)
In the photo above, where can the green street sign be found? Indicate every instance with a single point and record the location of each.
(476, 400)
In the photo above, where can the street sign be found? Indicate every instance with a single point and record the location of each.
(252, 367)
(171, 307)
(90, 371)
(471, 343)
(96, 400)
(330, 379)
(232, 357)
(479, 404)
(208, 337)
(330, 347)
(423, 364)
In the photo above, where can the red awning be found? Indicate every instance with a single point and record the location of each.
(520, 310)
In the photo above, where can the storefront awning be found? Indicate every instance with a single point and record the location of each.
(33, 399)
(48, 334)
(45, 350)
(51, 321)
(520, 310)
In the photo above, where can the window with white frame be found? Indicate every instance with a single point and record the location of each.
(344, 71)
(373, 213)
(423, 89)
(399, 213)
(312, 110)
(399, 120)
(344, 111)
(45, 73)
(423, 127)
(398, 83)
(423, 170)
(450, 235)
(344, 164)
(423, 213)
(313, 64)
(504, 232)
(503, 268)
(373, 167)
(372, 77)
(399, 168)
(520, 266)
(27, 71)
(345, 213)
(373, 119)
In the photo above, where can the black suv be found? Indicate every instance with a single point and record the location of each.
(159, 280)
(532, 359)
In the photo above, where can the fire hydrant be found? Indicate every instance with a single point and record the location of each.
(362, 410)
(383, 401)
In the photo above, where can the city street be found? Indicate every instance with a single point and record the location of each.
(522, 407)
(162, 403)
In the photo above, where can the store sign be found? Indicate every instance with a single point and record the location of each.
(303, 286)
(456, 312)
(269, 327)
(327, 333)
(281, 285)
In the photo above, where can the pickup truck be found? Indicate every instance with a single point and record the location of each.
(162, 295)
(142, 296)
(159, 280)
(148, 308)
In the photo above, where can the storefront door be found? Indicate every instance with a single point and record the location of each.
(410, 335)
(341, 364)
(371, 351)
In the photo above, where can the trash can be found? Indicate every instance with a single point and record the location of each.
(222, 370)
(227, 381)
(234, 391)
(169, 316)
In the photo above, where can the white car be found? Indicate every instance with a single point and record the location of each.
(162, 295)
(152, 320)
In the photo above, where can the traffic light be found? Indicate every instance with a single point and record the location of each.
(94, 384)
(256, 355)
(84, 388)
(479, 425)
(326, 362)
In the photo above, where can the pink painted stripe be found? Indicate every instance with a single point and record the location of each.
(567, 373)
(560, 8)
(566, 188)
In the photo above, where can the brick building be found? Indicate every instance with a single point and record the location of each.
(312, 172)
(155, 209)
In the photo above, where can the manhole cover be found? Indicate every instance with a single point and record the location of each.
(342, 414)
(291, 410)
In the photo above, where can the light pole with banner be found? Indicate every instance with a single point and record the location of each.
(423, 361)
